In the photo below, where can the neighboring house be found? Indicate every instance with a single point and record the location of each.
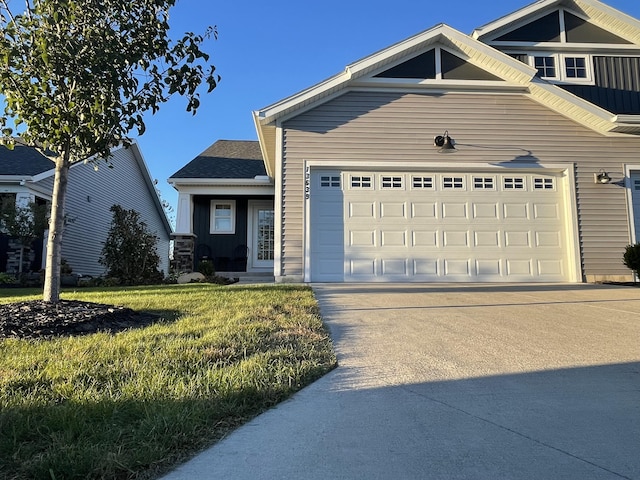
(91, 192)
(541, 182)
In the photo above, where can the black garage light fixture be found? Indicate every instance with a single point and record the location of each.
(445, 142)
(601, 177)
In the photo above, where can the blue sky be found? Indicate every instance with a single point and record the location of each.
(267, 51)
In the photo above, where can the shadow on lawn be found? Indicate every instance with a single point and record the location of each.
(123, 439)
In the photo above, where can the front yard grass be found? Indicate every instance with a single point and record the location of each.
(134, 404)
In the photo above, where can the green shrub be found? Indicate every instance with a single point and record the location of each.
(129, 253)
(206, 268)
(631, 257)
(6, 279)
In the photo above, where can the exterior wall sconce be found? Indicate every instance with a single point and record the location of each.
(445, 142)
(601, 177)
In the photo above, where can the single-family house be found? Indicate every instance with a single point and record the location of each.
(508, 155)
(93, 188)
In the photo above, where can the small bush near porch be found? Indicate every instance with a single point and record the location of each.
(135, 403)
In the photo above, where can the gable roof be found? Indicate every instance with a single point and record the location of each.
(235, 159)
(600, 14)
(514, 75)
(23, 160)
(509, 71)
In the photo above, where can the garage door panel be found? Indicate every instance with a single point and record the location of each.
(519, 268)
(393, 210)
(486, 239)
(362, 210)
(362, 267)
(457, 267)
(516, 211)
(426, 267)
(546, 211)
(635, 203)
(366, 238)
(455, 210)
(517, 239)
(548, 239)
(447, 227)
(394, 267)
(454, 238)
(393, 239)
(550, 268)
(425, 238)
(490, 268)
(329, 237)
(424, 210)
(485, 211)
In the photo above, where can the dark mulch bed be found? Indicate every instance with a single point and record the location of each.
(38, 319)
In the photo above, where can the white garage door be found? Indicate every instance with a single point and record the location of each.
(421, 227)
(635, 205)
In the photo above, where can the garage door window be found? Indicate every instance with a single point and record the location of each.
(513, 183)
(453, 183)
(543, 184)
(391, 182)
(483, 183)
(361, 182)
(329, 181)
(422, 182)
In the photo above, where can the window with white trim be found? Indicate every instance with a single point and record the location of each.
(546, 66)
(563, 68)
(483, 183)
(543, 184)
(575, 67)
(513, 183)
(390, 182)
(453, 182)
(422, 182)
(359, 181)
(223, 217)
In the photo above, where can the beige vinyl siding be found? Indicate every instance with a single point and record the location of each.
(488, 128)
(90, 195)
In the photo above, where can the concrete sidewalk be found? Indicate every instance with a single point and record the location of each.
(457, 382)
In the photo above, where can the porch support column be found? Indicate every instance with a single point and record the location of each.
(184, 240)
(184, 215)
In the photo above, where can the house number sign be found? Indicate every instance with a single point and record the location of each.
(307, 183)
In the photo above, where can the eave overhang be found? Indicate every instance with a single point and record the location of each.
(223, 186)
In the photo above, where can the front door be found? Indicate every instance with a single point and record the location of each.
(261, 235)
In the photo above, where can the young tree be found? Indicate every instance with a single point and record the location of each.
(76, 76)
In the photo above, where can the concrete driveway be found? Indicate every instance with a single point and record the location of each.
(457, 382)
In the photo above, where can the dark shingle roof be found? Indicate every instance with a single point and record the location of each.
(23, 160)
(226, 159)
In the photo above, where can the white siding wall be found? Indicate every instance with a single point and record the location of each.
(91, 194)
(494, 128)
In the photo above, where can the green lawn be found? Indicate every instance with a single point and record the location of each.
(133, 404)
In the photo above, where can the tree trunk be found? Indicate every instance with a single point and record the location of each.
(56, 225)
